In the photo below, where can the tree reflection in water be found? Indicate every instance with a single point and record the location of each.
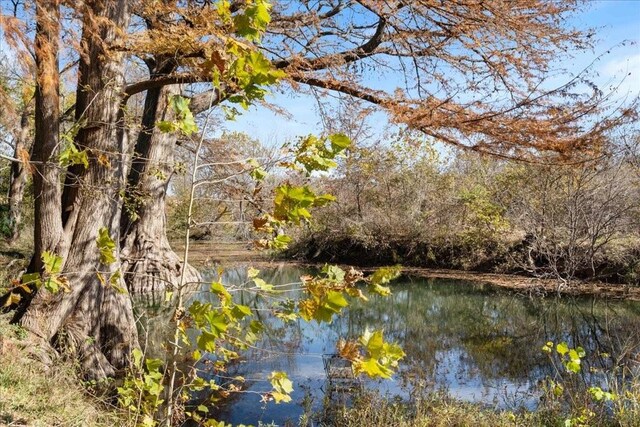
(474, 341)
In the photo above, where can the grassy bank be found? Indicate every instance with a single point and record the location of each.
(33, 395)
(438, 410)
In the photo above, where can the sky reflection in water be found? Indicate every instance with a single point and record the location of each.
(475, 342)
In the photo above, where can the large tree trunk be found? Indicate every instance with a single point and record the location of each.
(18, 177)
(47, 192)
(149, 263)
(93, 318)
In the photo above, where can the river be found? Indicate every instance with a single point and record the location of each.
(471, 340)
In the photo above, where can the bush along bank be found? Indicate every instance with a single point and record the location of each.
(615, 264)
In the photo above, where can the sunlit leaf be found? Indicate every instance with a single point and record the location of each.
(384, 275)
(52, 263)
(262, 285)
(562, 348)
(240, 311)
(219, 289)
(106, 246)
(334, 272)
(207, 341)
(282, 386)
(339, 142)
(252, 272)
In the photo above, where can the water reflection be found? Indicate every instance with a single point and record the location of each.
(474, 341)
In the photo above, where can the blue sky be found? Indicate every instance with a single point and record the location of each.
(616, 21)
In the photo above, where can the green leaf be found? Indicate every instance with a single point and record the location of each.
(137, 357)
(153, 365)
(257, 172)
(70, 155)
(373, 342)
(339, 142)
(382, 357)
(558, 389)
(256, 326)
(597, 393)
(261, 15)
(52, 263)
(381, 277)
(262, 285)
(573, 366)
(187, 125)
(166, 126)
(336, 301)
(180, 104)
(372, 368)
(219, 289)
(207, 342)
(218, 322)
(115, 283)
(240, 311)
(168, 295)
(282, 386)
(281, 241)
(31, 278)
(184, 122)
(384, 275)
(380, 290)
(332, 303)
(106, 246)
(252, 272)
(323, 199)
(334, 272)
(55, 283)
(573, 355)
(562, 348)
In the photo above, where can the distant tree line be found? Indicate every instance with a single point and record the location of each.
(407, 202)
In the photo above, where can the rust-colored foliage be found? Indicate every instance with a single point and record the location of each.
(469, 73)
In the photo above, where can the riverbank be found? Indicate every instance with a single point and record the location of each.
(34, 395)
(533, 286)
(616, 262)
(205, 253)
(208, 253)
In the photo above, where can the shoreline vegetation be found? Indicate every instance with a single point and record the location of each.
(205, 253)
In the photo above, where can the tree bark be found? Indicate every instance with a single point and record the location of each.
(93, 319)
(47, 191)
(18, 178)
(149, 262)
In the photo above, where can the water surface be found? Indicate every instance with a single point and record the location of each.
(474, 341)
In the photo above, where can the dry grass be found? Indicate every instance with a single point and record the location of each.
(31, 395)
(209, 252)
(13, 259)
